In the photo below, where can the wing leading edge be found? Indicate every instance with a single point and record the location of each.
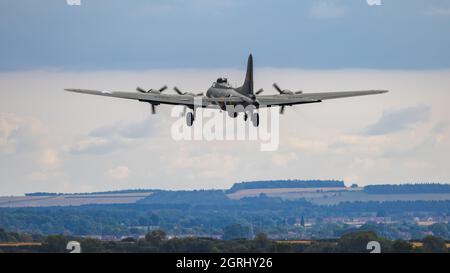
(155, 98)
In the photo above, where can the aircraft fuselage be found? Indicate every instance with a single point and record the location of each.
(225, 92)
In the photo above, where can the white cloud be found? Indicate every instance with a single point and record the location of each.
(208, 165)
(50, 158)
(94, 145)
(84, 136)
(45, 175)
(19, 132)
(361, 145)
(417, 164)
(283, 159)
(120, 172)
(131, 130)
(308, 145)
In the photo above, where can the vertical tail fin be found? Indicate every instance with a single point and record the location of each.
(247, 87)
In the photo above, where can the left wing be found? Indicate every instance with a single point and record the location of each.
(160, 98)
(292, 99)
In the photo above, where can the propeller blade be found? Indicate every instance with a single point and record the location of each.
(178, 91)
(299, 92)
(163, 88)
(259, 91)
(153, 109)
(139, 89)
(282, 109)
(275, 85)
(184, 111)
(199, 94)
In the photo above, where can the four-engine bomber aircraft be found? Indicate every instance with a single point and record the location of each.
(221, 95)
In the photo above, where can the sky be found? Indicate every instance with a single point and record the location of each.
(142, 34)
(51, 140)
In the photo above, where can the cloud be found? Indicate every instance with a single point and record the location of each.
(204, 165)
(417, 164)
(95, 145)
(120, 172)
(19, 133)
(45, 175)
(133, 130)
(107, 139)
(360, 145)
(327, 10)
(283, 159)
(398, 120)
(141, 129)
(308, 145)
(49, 158)
(326, 140)
(440, 127)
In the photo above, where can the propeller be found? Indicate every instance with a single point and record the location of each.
(186, 93)
(259, 91)
(139, 89)
(176, 89)
(285, 91)
(160, 90)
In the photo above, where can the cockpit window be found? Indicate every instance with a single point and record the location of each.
(222, 80)
(222, 83)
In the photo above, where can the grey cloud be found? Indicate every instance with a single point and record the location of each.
(440, 127)
(96, 146)
(398, 120)
(134, 130)
(19, 134)
(107, 139)
(141, 129)
(105, 131)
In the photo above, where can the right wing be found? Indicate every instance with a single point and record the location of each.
(280, 100)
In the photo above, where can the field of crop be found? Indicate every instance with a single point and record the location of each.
(320, 196)
(287, 193)
(330, 196)
(71, 200)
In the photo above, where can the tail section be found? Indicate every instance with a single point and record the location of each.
(247, 87)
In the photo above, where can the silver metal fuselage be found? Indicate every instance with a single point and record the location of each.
(225, 91)
(222, 92)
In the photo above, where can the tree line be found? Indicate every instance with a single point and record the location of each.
(158, 242)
